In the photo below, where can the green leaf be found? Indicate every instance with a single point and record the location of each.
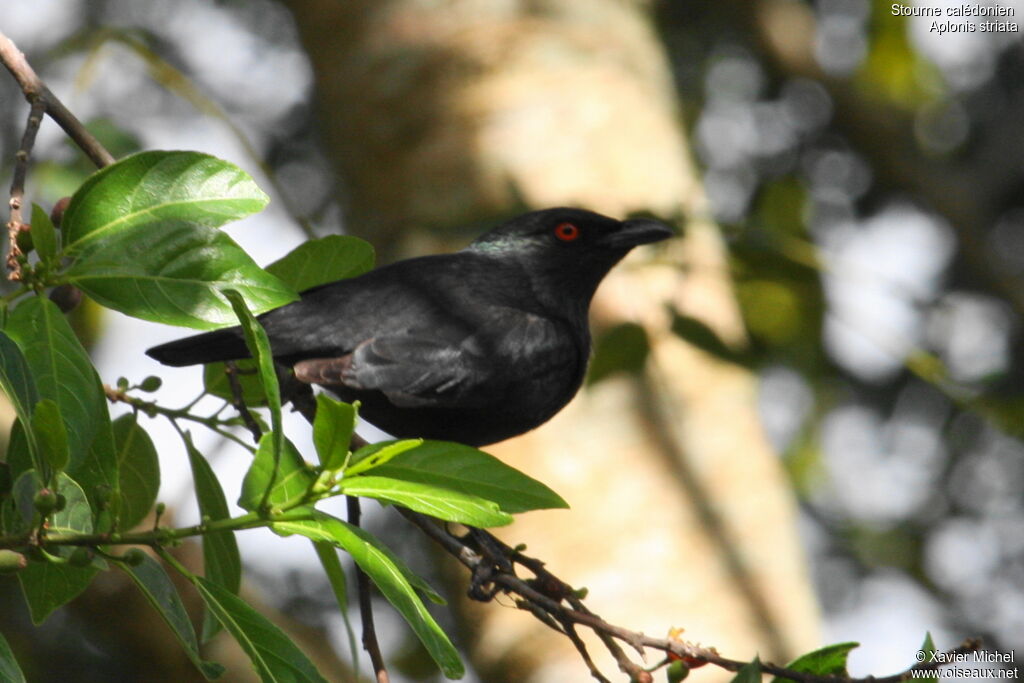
(274, 656)
(6, 480)
(23, 492)
(827, 661)
(376, 454)
(16, 377)
(623, 348)
(278, 481)
(154, 583)
(276, 471)
(473, 472)
(221, 562)
(319, 261)
(18, 461)
(20, 388)
(76, 517)
(44, 237)
(10, 672)
(215, 381)
(390, 575)
(697, 333)
(97, 472)
(259, 348)
(332, 431)
(158, 186)
(328, 556)
(436, 501)
(176, 275)
(751, 673)
(46, 585)
(50, 433)
(20, 514)
(138, 470)
(62, 370)
(64, 373)
(928, 650)
(144, 239)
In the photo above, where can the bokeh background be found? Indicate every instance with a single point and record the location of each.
(852, 188)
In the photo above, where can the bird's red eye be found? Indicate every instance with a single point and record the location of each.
(566, 232)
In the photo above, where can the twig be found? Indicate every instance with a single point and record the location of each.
(36, 91)
(152, 409)
(299, 394)
(301, 397)
(625, 663)
(552, 601)
(15, 225)
(581, 647)
(41, 101)
(370, 643)
(237, 400)
(547, 594)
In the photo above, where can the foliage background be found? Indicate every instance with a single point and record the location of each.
(867, 174)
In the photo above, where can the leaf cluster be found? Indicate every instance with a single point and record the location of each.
(142, 237)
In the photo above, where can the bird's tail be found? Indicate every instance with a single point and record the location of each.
(209, 347)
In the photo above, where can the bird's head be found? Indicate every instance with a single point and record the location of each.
(567, 252)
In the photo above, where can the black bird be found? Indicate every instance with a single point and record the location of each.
(475, 347)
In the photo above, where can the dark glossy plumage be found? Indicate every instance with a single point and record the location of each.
(476, 346)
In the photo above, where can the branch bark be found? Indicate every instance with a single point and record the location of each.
(36, 91)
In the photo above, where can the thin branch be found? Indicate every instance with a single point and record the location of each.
(15, 225)
(152, 409)
(625, 663)
(581, 647)
(546, 595)
(36, 91)
(153, 537)
(238, 401)
(370, 643)
(301, 397)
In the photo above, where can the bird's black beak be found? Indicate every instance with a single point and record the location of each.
(638, 231)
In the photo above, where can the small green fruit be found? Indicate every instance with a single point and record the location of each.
(12, 562)
(80, 557)
(45, 502)
(677, 671)
(134, 557)
(151, 383)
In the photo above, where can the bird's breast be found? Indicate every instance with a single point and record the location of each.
(542, 361)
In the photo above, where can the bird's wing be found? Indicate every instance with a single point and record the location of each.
(409, 370)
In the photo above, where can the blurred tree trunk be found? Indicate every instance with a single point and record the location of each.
(452, 114)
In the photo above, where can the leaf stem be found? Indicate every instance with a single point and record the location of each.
(151, 408)
(160, 536)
